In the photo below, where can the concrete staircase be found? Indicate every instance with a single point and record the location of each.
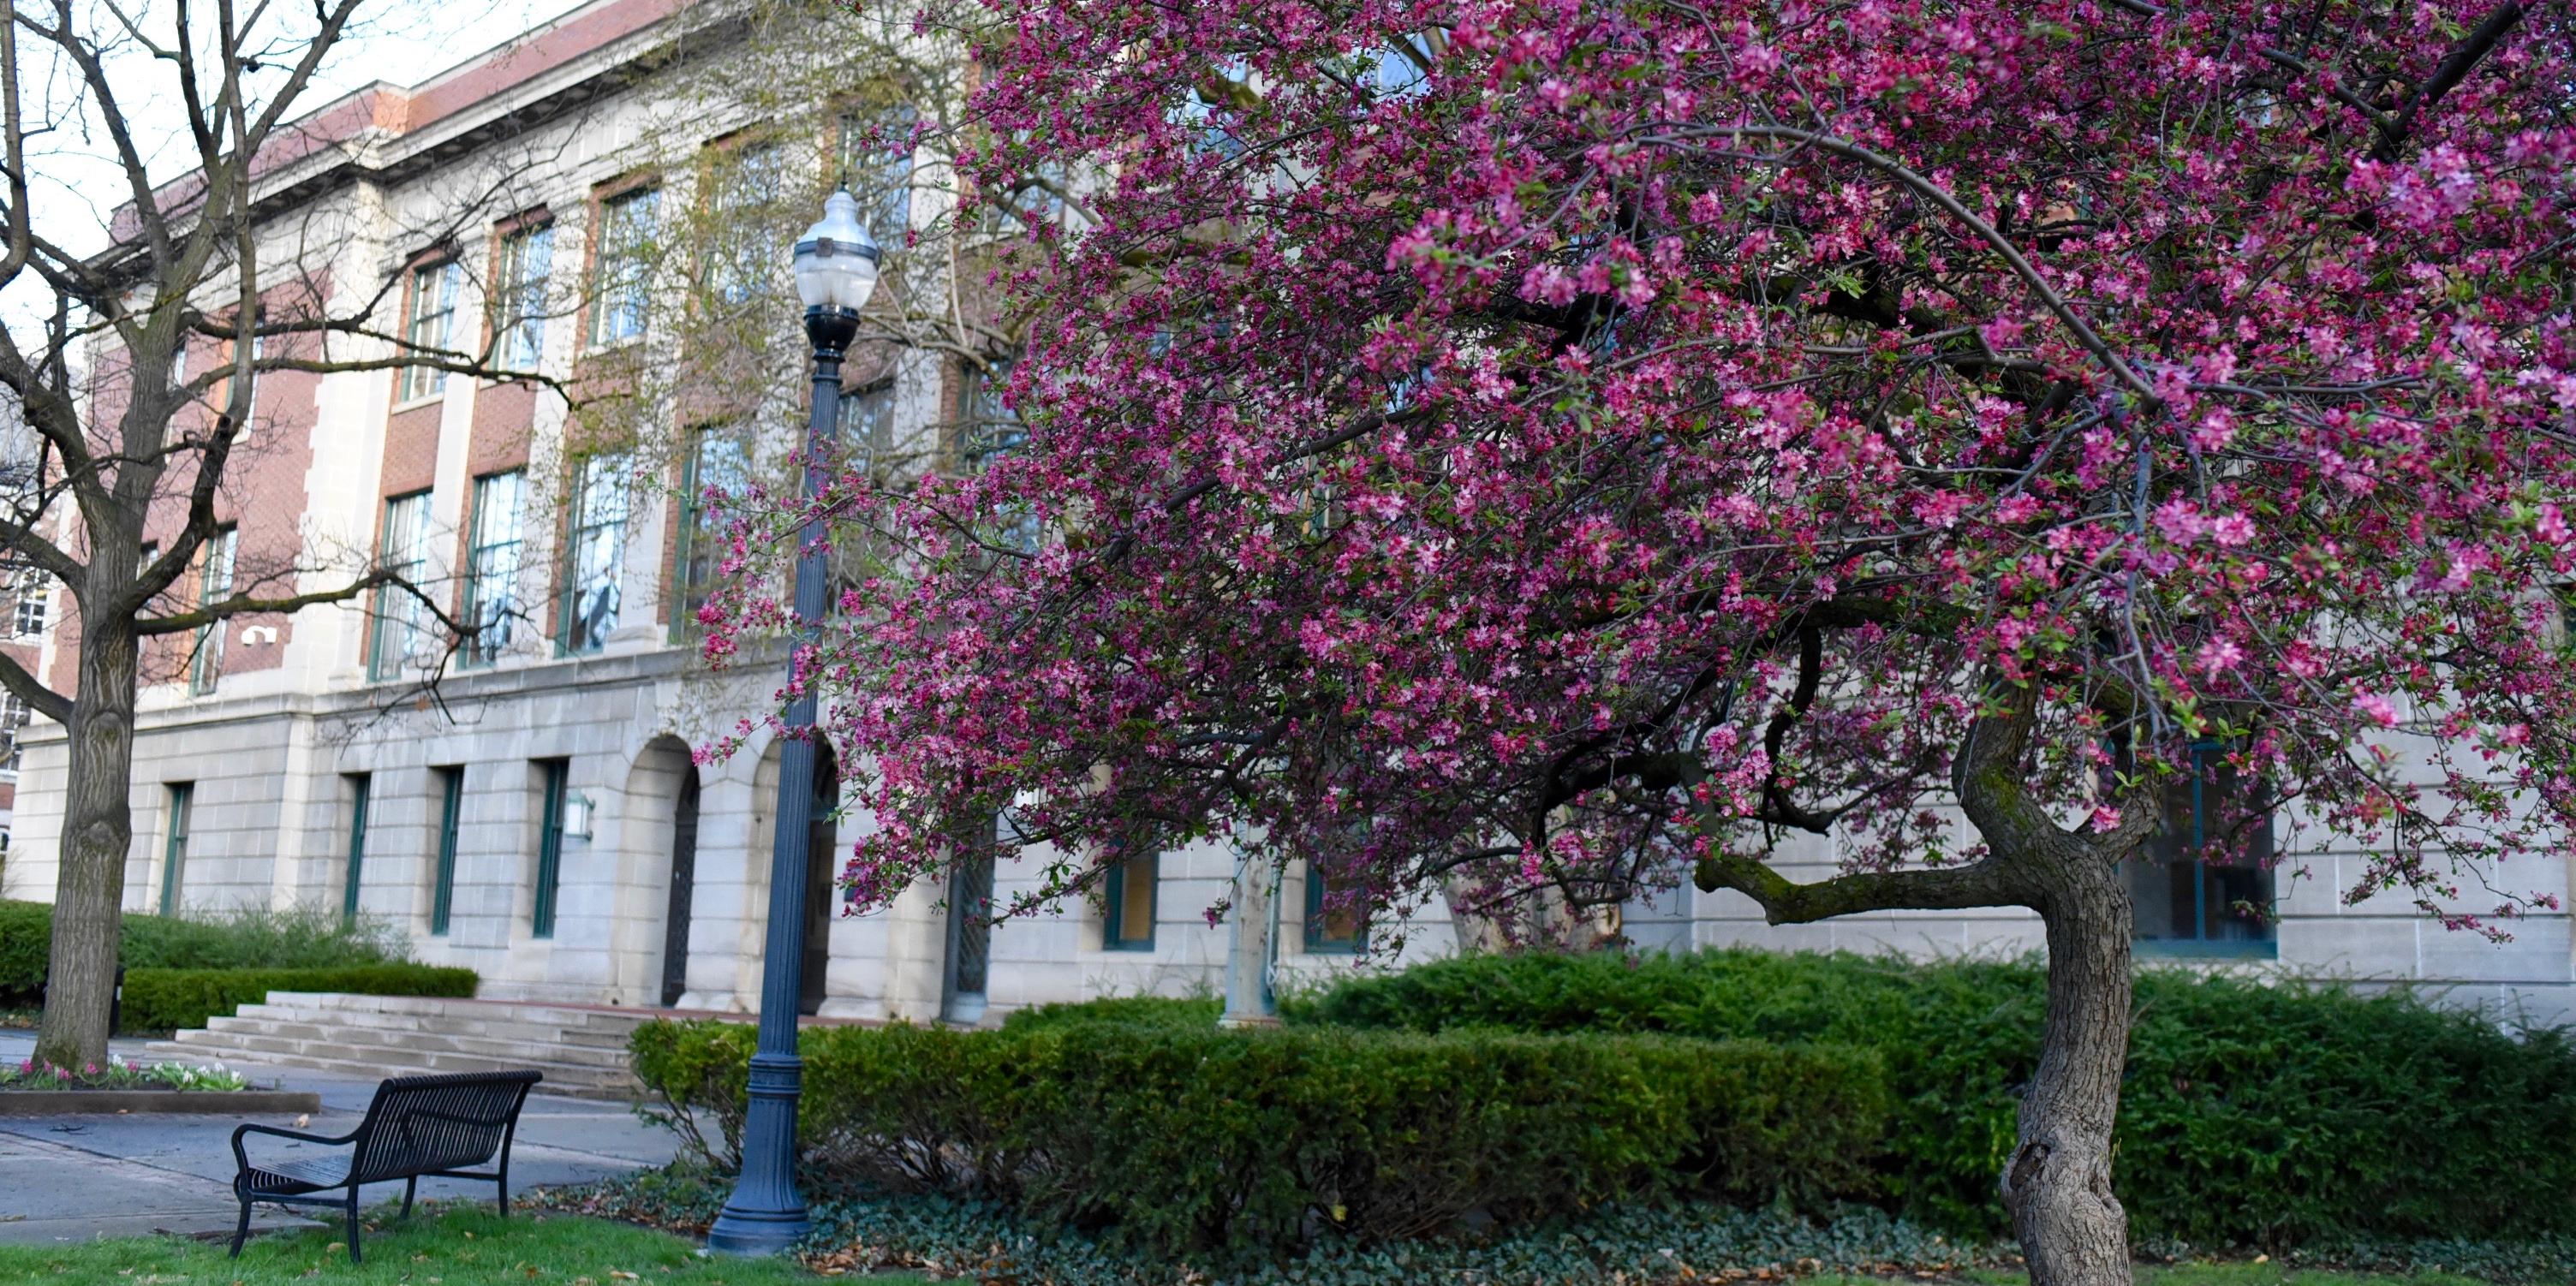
(582, 1050)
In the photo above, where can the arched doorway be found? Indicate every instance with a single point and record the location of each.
(684, 878)
(822, 862)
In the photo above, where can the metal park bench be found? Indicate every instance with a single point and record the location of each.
(417, 1125)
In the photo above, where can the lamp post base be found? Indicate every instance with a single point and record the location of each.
(748, 1233)
(765, 1215)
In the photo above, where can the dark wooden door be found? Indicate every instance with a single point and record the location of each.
(822, 850)
(684, 878)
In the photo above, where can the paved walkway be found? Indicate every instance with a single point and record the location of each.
(74, 1178)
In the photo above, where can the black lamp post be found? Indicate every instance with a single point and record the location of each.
(836, 270)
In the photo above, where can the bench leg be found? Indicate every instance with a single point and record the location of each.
(410, 1185)
(501, 1184)
(242, 1230)
(354, 1256)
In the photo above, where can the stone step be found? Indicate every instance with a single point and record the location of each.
(615, 1085)
(376, 1039)
(581, 1049)
(552, 1016)
(465, 1023)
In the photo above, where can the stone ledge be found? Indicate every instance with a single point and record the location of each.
(111, 1102)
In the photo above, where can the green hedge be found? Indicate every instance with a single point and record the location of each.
(2255, 1113)
(168, 999)
(1181, 1139)
(26, 937)
(247, 938)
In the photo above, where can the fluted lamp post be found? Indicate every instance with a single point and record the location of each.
(836, 271)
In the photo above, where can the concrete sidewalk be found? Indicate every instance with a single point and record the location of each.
(74, 1178)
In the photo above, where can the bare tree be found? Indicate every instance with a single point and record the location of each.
(237, 261)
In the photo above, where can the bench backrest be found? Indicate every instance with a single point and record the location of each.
(420, 1123)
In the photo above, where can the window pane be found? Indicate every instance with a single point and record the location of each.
(492, 568)
(442, 892)
(13, 717)
(2190, 885)
(867, 425)
(174, 850)
(876, 158)
(743, 251)
(626, 229)
(401, 550)
(527, 263)
(720, 463)
(1332, 914)
(33, 594)
(602, 497)
(432, 325)
(1132, 902)
(214, 583)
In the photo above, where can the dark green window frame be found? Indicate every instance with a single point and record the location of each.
(451, 806)
(174, 848)
(541, 918)
(1116, 926)
(2208, 891)
(1322, 937)
(359, 789)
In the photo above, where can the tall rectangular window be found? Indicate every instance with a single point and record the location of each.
(214, 584)
(402, 550)
(1127, 914)
(492, 564)
(627, 225)
(876, 158)
(360, 787)
(867, 425)
(451, 808)
(1332, 919)
(431, 325)
(717, 461)
(742, 250)
(31, 600)
(994, 431)
(602, 500)
(519, 312)
(13, 720)
(174, 847)
(552, 775)
(2198, 891)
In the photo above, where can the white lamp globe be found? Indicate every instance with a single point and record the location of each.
(836, 261)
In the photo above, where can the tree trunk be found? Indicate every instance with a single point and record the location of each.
(2058, 1182)
(98, 828)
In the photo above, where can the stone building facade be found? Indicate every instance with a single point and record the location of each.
(540, 818)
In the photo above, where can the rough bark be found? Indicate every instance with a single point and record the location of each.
(2057, 1184)
(98, 829)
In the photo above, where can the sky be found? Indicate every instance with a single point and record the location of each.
(75, 182)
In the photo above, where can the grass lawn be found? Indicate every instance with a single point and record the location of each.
(456, 1247)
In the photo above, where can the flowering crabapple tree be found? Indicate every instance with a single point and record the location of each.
(1517, 449)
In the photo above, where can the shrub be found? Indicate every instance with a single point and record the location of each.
(247, 938)
(259, 938)
(167, 999)
(1158, 1011)
(2258, 1113)
(1181, 1138)
(26, 939)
